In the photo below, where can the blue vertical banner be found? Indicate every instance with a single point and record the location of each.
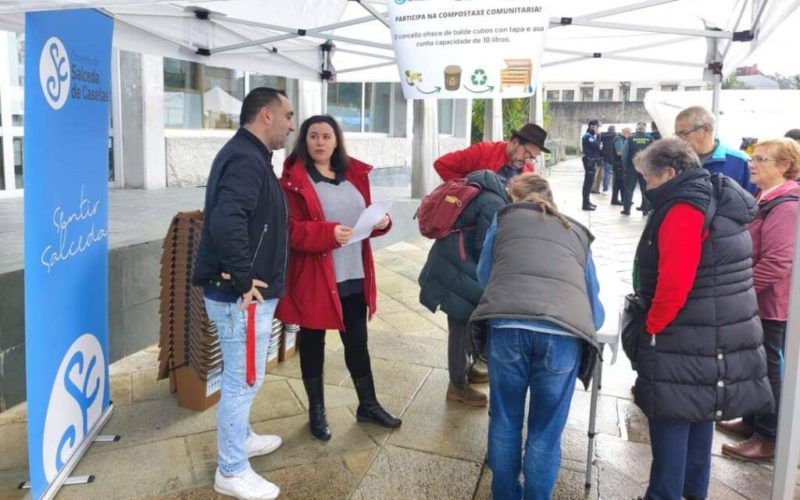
(67, 88)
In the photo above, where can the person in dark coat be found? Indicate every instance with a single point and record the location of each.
(330, 284)
(241, 266)
(449, 281)
(603, 176)
(637, 142)
(617, 190)
(700, 357)
(590, 146)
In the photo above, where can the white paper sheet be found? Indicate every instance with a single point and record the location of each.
(368, 218)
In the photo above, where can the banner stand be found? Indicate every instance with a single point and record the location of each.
(63, 478)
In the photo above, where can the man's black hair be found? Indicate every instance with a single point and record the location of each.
(258, 98)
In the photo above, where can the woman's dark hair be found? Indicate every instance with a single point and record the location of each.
(339, 159)
(669, 152)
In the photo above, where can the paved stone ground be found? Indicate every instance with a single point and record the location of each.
(169, 452)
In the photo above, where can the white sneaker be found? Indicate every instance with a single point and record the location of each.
(258, 445)
(247, 485)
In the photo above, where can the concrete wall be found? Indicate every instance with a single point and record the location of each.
(189, 156)
(570, 118)
(133, 320)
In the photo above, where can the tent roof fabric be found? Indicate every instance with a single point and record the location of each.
(636, 40)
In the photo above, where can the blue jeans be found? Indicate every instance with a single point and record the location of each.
(607, 169)
(546, 364)
(681, 459)
(233, 412)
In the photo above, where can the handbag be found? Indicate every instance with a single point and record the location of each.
(631, 324)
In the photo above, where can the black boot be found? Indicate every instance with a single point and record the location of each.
(369, 410)
(315, 390)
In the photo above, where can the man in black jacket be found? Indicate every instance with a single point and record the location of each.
(241, 265)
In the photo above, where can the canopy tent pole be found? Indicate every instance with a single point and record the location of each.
(787, 444)
(327, 73)
(425, 147)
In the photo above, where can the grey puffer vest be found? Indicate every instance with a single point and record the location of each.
(709, 362)
(539, 273)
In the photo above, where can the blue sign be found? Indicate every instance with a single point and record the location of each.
(67, 87)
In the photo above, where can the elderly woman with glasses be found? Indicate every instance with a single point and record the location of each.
(773, 168)
(699, 358)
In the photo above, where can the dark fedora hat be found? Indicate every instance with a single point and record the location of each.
(530, 132)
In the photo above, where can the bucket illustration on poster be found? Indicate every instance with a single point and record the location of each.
(452, 77)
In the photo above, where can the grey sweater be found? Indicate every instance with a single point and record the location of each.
(342, 203)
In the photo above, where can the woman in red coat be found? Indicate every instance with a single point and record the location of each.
(330, 284)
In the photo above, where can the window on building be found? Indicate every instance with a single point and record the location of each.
(669, 88)
(641, 92)
(693, 88)
(18, 144)
(200, 96)
(568, 96)
(606, 95)
(553, 95)
(587, 93)
(377, 107)
(344, 103)
(16, 59)
(362, 107)
(111, 159)
(2, 167)
(445, 114)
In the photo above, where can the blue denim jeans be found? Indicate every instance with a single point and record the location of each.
(236, 397)
(681, 459)
(607, 170)
(546, 364)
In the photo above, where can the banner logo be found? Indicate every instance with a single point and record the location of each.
(76, 402)
(54, 73)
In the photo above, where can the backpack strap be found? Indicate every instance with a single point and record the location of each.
(766, 208)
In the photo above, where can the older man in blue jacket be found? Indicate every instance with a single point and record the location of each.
(695, 125)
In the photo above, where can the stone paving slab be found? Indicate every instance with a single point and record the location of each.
(411, 474)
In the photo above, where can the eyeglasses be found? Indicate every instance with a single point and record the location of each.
(528, 156)
(685, 133)
(762, 159)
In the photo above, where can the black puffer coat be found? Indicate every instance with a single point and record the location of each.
(449, 279)
(709, 363)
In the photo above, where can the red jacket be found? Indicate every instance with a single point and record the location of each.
(773, 238)
(311, 299)
(479, 156)
(680, 245)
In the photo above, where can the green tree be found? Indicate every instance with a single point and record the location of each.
(731, 82)
(516, 113)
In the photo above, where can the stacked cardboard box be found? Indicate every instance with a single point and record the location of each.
(190, 352)
(274, 345)
(288, 342)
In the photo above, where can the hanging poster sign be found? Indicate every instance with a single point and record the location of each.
(449, 49)
(67, 87)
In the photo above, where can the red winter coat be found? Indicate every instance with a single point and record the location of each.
(480, 156)
(311, 298)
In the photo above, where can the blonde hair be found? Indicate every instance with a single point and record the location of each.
(533, 188)
(784, 149)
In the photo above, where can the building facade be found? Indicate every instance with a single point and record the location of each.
(169, 118)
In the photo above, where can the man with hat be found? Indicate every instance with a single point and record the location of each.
(507, 158)
(590, 145)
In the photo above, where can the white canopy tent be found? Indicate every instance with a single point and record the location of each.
(618, 40)
(743, 113)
